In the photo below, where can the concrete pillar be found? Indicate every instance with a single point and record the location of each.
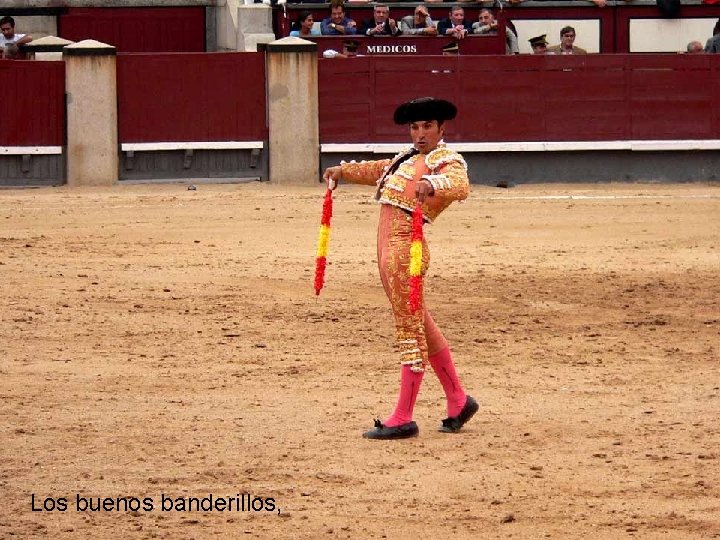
(292, 100)
(92, 138)
(46, 48)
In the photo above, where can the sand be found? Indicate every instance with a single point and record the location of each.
(159, 343)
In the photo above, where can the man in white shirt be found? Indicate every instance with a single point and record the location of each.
(9, 40)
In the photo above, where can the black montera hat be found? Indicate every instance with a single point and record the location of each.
(351, 44)
(451, 47)
(538, 40)
(424, 108)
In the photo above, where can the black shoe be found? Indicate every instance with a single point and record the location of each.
(454, 423)
(403, 431)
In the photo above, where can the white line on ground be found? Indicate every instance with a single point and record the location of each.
(593, 197)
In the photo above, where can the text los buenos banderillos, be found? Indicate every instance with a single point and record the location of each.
(241, 502)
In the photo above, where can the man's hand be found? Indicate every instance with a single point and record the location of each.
(423, 190)
(332, 176)
(459, 31)
(430, 30)
(393, 25)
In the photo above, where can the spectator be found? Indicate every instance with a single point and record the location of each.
(487, 24)
(10, 41)
(419, 24)
(337, 23)
(713, 44)
(567, 40)
(455, 25)
(305, 26)
(695, 47)
(350, 47)
(381, 24)
(539, 44)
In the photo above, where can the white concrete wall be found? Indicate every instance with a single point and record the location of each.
(36, 26)
(254, 26)
(668, 35)
(227, 25)
(241, 25)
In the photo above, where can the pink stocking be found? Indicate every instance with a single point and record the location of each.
(409, 388)
(444, 368)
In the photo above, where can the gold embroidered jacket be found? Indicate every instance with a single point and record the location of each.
(445, 169)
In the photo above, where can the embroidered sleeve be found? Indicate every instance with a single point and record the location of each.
(365, 172)
(448, 175)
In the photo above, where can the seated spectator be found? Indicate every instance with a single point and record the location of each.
(419, 24)
(455, 25)
(337, 23)
(350, 47)
(487, 24)
(305, 26)
(381, 24)
(695, 47)
(9, 40)
(539, 44)
(567, 40)
(713, 44)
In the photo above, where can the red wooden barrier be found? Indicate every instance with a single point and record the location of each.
(346, 99)
(526, 97)
(32, 103)
(161, 29)
(413, 45)
(357, 96)
(503, 99)
(673, 97)
(191, 97)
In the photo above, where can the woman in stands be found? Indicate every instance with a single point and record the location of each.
(304, 26)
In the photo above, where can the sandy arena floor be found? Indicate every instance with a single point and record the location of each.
(158, 342)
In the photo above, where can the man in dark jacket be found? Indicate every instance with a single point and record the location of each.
(381, 24)
(455, 25)
(713, 44)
